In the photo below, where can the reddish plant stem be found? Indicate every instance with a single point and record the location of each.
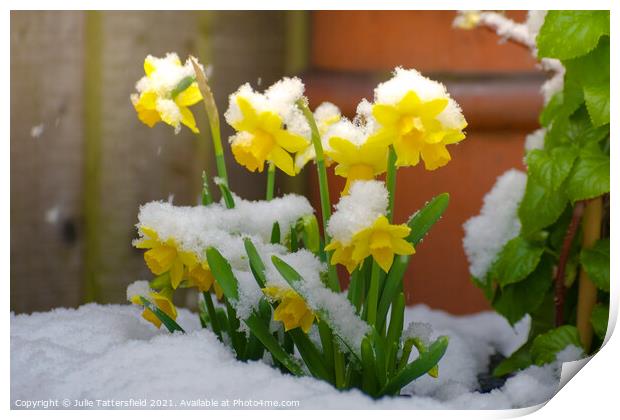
(560, 290)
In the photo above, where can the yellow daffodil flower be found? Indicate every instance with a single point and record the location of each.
(163, 257)
(342, 255)
(412, 126)
(292, 310)
(357, 162)
(262, 137)
(161, 299)
(166, 93)
(200, 276)
(382, 240)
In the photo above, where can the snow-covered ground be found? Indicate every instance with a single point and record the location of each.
(99, 352)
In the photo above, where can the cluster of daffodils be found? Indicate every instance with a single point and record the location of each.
(271, 268)
(410, 112)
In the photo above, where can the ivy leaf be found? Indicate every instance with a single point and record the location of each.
(550, 168)
(516, 300)
(518, 360)
(571, 33)
(595, 261)
(516, 261)
(590, 175)
(546, 346)
(599, 319)
(540, 207)
(592, 73)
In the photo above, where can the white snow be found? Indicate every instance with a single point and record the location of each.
(110, 352)
(497, 223)
(408, 80)
(366, 201)
(535, 140)
(168, 72)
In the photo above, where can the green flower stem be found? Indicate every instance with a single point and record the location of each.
(271, 180)
(206, 194)
(373, 294)
(390, 180)
(215, 324)
(214, 119)
(323, 188)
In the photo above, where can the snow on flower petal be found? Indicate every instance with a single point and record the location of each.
(166, 91)
(356, 158)
(418, 117)
(269, 126)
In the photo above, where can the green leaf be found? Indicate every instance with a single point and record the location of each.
(425, 362)
(289, 273)
(550, 168)
(486, 285)
(547, 345)
(563, 103)
(260, 329)
(275, 233)
(599, 320)
(393, 285)
(516, 261)
(570, 33)
(223, 273)
(226, 194)
(540, 207)
(589, 177)
(170, 323)
(256, 263)
(597, 102)
(595, 261)
(515, 300)
(369, 379)
(576, 130)
(311, 356)
(421, 222)
(592, 73)
(518, 360)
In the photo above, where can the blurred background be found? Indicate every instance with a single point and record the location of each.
(82, 163)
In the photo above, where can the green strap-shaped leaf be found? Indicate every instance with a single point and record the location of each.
(261, 330)
(256, 263)
(293, 245)
(311, 356)
(289, 274)
(275, 233)
(161, 315)
(393, 285)
(226, 194)
(223, 273)
(397, 320)
(421, 222)
(369, 379)
(425, 362)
